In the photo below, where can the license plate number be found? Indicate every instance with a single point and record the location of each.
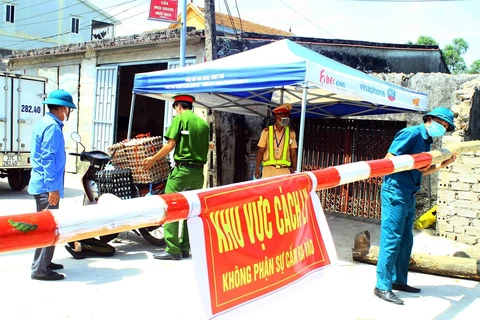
(10, 160)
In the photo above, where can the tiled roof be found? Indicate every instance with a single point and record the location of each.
(244, 25)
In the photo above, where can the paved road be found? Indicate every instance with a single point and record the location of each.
(133, 285)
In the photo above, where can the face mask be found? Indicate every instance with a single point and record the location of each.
(284, 122)
(435, 130)
(66, 116)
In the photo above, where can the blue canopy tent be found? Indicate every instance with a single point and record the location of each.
(255, 81)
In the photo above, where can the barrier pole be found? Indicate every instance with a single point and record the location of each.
(52, 227)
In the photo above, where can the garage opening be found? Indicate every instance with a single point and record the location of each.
(149, 113)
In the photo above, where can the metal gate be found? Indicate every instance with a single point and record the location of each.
(105, 106)
(332, 142)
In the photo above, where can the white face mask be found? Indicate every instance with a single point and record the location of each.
(66, 115)
(436, 130)
(284, 122)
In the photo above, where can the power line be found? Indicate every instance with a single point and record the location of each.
(239, 17)
(28, 18)
(301, 15)
(35, 23)
(33, 5)
(86, 26)
(231, 18)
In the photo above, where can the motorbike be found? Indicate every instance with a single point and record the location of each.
(93, 189)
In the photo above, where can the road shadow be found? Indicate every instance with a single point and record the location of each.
(459, 298)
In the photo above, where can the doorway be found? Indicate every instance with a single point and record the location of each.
(149, 113)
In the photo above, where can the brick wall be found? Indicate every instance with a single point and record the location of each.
(458, 212)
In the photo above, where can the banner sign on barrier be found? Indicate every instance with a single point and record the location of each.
(259, 238)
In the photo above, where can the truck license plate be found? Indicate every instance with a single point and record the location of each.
(10, 160)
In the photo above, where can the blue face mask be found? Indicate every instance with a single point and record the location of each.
(436, 130)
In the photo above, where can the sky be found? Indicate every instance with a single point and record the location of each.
(396, 21)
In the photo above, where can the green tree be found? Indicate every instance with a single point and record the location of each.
(426, 41)
(475, 67)
(453, 55)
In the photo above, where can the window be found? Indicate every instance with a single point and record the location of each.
(10, 13)
(75, 24)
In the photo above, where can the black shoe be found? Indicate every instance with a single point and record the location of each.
(167, 256)
(55, 266)
(405, 288)
(387, 296)
(76, 255)
(185, 254)
(50, 276)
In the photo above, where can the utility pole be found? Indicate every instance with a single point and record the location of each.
(211, 54)
(210, 31)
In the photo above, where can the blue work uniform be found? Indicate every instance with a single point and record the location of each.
(48, 156)
(48, 160)
(398, 210)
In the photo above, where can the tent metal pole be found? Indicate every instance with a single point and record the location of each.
(302, 128)
(130, 119)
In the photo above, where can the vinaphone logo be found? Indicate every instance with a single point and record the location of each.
(372, 90)
(328, 80)
(391, 94)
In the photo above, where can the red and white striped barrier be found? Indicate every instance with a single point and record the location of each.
(249, 239)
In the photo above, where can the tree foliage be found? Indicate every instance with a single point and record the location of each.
(475, 67)
(426, 41)
(452, 54)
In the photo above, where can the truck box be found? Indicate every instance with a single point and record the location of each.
(21, 107)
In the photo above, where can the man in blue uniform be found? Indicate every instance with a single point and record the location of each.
(398, 203)
(48, 171)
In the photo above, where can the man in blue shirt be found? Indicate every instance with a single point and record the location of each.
(48, 170)
(398, 203)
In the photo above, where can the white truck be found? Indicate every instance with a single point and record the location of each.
(20, 108)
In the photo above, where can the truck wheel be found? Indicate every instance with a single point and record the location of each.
(18, 179)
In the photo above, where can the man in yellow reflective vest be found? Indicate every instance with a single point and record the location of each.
(277, 147)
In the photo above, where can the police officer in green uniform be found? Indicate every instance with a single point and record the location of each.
(189, 135)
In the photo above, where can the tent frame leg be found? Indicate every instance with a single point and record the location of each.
(302, 128)
(130, 119)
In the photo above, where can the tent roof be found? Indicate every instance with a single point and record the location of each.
(255, 81)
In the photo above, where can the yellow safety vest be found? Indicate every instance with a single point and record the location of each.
(283, 161)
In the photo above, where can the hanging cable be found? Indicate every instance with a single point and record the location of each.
(307, 19)
(231, 19)
(239, 17)
(88, 26)
(80, 14)
(85, 26)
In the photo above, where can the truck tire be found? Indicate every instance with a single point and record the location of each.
(18, 179)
